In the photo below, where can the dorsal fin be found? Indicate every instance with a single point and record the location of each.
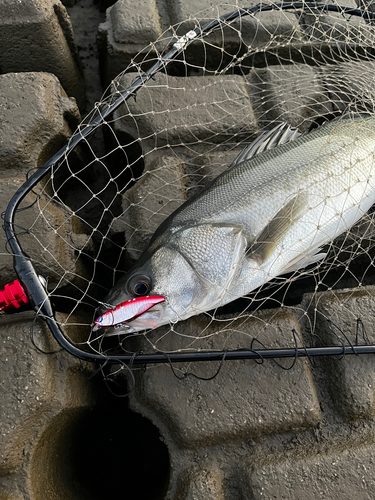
(281, 134)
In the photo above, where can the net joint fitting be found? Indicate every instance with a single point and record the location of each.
(183, 41)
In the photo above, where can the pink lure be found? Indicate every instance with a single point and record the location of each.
(127, 311)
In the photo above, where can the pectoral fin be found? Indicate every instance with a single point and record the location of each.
(271, 236)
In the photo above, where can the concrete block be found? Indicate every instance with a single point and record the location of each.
(9, 496)
(134, 23)
(234, 39)
(68, 3)
(209, 164)
(350, 86)
(57, 418)
(128, 30)
(40, 394)
(172, 111)
(255, 32)
(334, 316)
(182, 116)
(294, 94)
(246, 399)
(53, 240)
(145, 206)
(333, 28)
(200, 122)
(49, 234)
(267, 38)
(37, 117)
(36, 35)
(204, 483)
(337, 476)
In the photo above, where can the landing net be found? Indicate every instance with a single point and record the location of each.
(97, 210)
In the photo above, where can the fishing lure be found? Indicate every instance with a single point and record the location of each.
(126, 311)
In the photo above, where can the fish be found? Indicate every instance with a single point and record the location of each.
(271, 212)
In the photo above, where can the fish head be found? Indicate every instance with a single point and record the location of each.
(166, 274)
(192, 271)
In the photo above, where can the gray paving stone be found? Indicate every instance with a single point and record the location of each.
(172, 111)
(37, 36)
(202, 484)
(39, 393)
(246, 399)
(128, 28)
(293, 93)
(350, 85)
(145, 206)
(352, 378)
(126, 32)
(36, 120)
(333, 27)
(339, 476)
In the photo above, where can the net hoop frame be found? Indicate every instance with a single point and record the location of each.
(34, 284)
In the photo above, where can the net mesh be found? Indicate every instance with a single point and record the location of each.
(94, 215)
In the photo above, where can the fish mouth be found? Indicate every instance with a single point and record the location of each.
(129, 311)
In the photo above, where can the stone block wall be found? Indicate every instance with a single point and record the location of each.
(37, 35)
(37, 120)
(255, 430)
(122, 34)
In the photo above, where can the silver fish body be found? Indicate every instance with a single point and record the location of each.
(263, 217)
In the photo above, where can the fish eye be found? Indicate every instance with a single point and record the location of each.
(139, 285)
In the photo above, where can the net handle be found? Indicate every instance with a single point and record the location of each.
(34, 286)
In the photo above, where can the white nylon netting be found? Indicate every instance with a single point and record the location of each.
(96, 213)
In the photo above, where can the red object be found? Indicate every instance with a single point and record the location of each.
(127, 311)
(13, 296)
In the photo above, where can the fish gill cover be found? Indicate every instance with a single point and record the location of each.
(280, 243)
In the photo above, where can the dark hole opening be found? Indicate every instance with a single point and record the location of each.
(116, 453)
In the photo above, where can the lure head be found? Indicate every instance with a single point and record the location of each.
(104, 321)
